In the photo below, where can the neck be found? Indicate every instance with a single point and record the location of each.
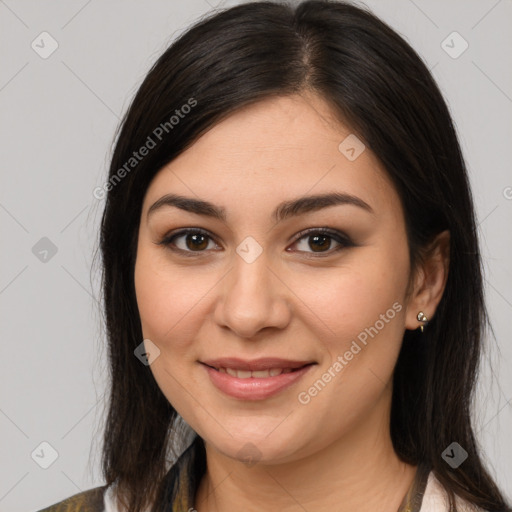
(360, 471)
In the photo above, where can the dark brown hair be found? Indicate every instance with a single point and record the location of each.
(376, 84)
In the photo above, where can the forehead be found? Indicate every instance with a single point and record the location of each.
(279, 148)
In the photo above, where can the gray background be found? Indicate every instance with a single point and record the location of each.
(58, 118)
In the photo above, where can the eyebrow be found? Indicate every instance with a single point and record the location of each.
(284, 210)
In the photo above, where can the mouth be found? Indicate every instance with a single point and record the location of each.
(255, 380)
(258, 374)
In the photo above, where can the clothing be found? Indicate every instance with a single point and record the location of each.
(424, 495)
(92, 500)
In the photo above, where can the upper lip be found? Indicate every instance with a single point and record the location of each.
(265, 363)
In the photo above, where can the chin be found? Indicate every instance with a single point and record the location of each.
(251, 447)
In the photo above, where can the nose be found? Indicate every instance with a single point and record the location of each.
(253, 298)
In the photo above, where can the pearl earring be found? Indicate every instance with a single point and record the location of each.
(422, 318)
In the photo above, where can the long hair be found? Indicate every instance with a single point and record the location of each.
(376, 84)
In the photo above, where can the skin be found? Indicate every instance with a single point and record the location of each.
(335, 452)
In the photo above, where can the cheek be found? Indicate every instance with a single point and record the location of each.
(160, 306)
(152, 294)
(360, 309)
(168, 305)
(360, 293)
(171, 301)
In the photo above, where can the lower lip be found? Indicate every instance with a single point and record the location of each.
(254, 388)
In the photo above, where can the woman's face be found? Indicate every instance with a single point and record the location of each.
(308, 325)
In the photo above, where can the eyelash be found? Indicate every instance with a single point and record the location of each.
(338, 236)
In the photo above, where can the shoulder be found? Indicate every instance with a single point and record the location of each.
(86, 501)
(435, 499)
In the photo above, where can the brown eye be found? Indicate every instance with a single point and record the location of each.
(188, 241)
(193, 242)
(321, 241)
(196, 241)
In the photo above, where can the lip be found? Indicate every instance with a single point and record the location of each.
(254, 388)
(264, 363)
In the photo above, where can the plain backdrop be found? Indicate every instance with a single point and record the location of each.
(59, 113)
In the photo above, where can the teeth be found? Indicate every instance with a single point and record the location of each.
(261, 374)
(258, 374)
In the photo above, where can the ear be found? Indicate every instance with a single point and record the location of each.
(429, 281)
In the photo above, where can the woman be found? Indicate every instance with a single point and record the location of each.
(291, 269)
